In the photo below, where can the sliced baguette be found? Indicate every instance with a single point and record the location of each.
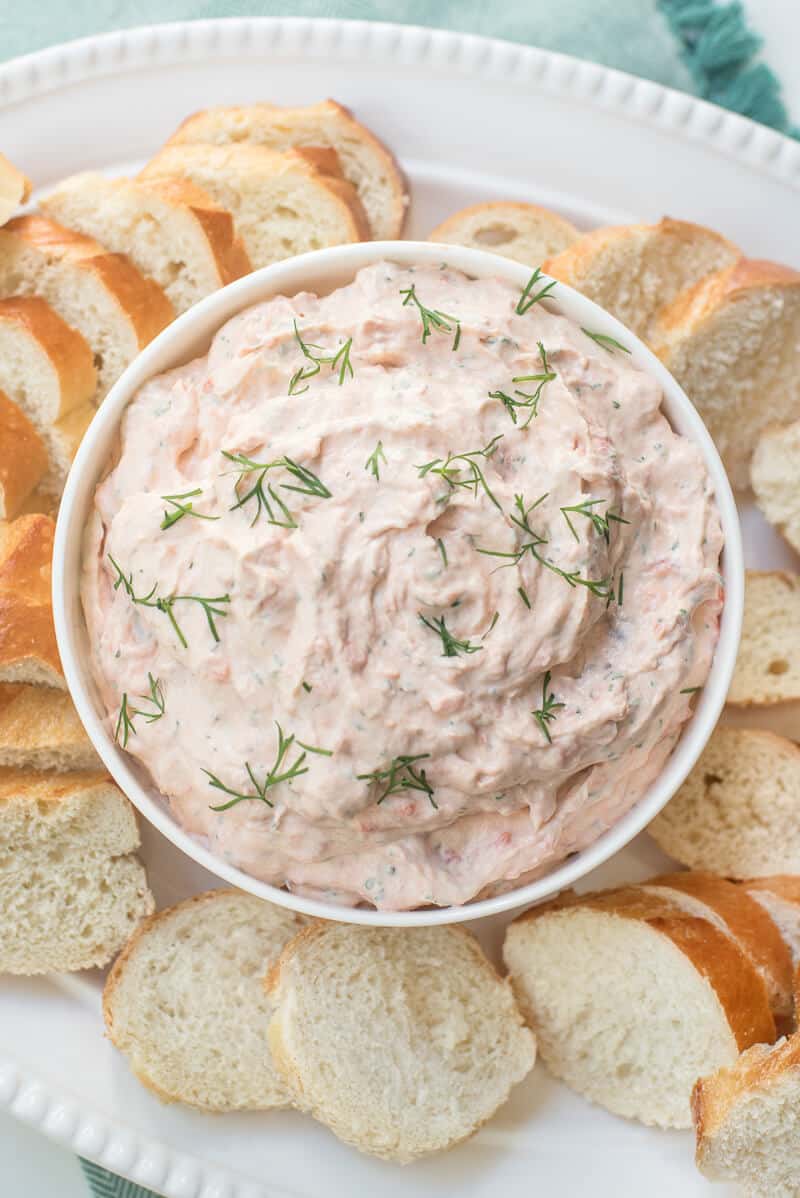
(46, 368)
(40, 730)
(632, 998)
(14, 189)
(71, 890)
(402, 1042)
(23, 458)
(282, 203)
(170, 229)
(365, 161)
(737, 914)
(774, 473)
(731, 342)
(768, 666)
(116, 309)
(747, 1123)
(738, 812)
(186, 1004)
(634, 270)
(523, 232)
(780, 898)
(28, 650)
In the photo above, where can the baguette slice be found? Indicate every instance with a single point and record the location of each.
(14, 189)
(780, 898)
(402, 1042)
(739, 915)
(738, 812)
(23, 458)
(747, 1123)
(634, 270)
(28, 650)
(171, 230)
(282, 203)
(774, 472)
(366, 162)
(45, 365)
(40, 730)
(632, 998)
(71, 890)
(768, 666)
(523, 232)
(731, 342)
(116, 309)
(185, 1001)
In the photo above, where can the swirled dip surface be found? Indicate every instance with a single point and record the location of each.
(323, 632)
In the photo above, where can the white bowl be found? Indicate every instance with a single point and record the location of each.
(189, 336)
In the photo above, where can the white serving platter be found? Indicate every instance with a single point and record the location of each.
(470, 119)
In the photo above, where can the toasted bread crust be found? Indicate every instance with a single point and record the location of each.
(713, 1097)
(748, 922)
(230, 256)
(572, 264)
(197, 126)
(48, 789)
(23, 458)
(15, 188)
(27, 633)
(693, 307)
(68, 352)
(499, 210)
(140, 299)
(739, 988)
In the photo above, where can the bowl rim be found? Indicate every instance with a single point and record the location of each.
(189, 335)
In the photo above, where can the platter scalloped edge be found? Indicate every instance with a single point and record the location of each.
(33, 1099)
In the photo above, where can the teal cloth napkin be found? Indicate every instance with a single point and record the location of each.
(700, 46)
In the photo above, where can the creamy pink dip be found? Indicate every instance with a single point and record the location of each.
(366, 621)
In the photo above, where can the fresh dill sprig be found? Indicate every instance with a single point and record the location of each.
(400, 774)
(166, 604)
(691, 690)
(602, 587)
(526, 399)
(546, 713)
(523, 594)
(442, 550)
(527, 299)
(620, 587)
(476, 478)
(432, 319)
(181, 509)
(495, 618)
(307, 687)
(318, 358)
(125, 722)
(605, 342)
(373, 461)
(451, 645)
(599, 523)
(127, 713)
(267, 496)
(280, 771)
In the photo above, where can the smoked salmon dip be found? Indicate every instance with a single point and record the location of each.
(401, 595)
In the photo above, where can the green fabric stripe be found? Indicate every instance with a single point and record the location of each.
(107, 1185)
